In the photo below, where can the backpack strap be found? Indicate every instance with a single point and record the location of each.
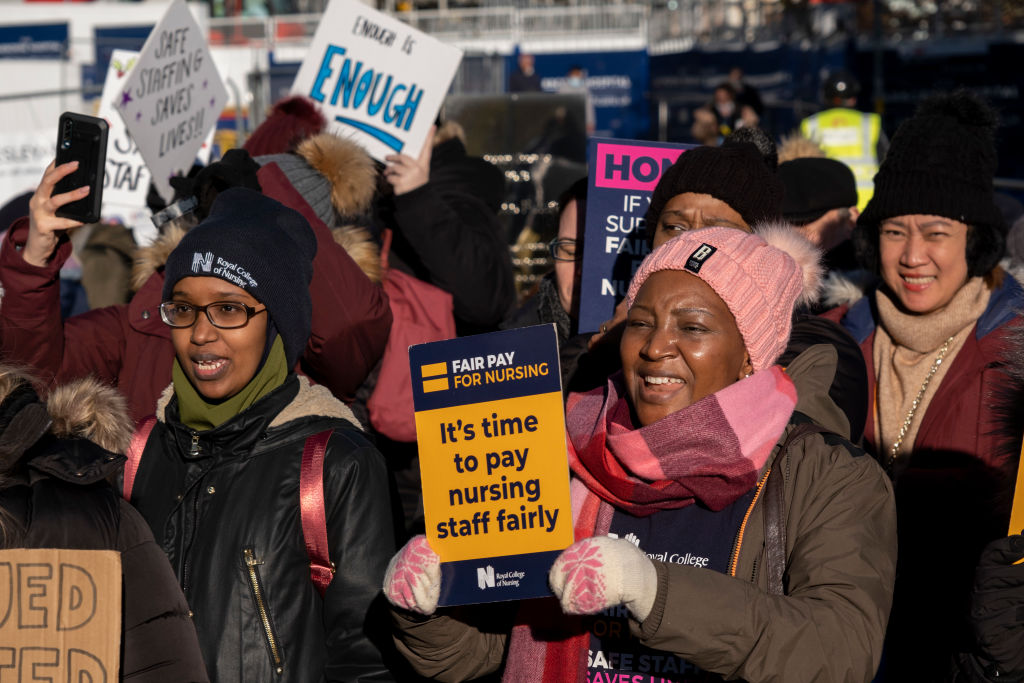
(134, 454)
(775, 510)
(313, 512)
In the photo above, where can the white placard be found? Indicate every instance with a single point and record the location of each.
(126, 181)
(24, 156)
(376, 79)
(172, 97)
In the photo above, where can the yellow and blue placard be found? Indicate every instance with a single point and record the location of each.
(490, 425)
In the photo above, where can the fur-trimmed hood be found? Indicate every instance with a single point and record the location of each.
(357, 241)
(846, 287)
(88, 409)
(82, 409)
(352, 177)
(347, 167)
(313, 400)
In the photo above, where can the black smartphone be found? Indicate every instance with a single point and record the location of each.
(83, 139)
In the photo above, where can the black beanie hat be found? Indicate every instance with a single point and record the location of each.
(260, 245)
(815, 186)
(941, 163)
(734, 173)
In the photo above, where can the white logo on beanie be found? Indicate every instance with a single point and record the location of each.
(232, 272)
(202, 262)
(698, 257)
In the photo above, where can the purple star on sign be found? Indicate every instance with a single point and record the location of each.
(204, 84)
(138, 115)
(125, 98)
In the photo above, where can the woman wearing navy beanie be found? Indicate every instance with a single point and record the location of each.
(250, 475)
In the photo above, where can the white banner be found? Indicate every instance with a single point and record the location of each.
(24, 156)
(376, 79)
(172, 97)
(126, 181)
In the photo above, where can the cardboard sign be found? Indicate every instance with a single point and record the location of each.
(126, 181)
(172, 97)
(60, 615)
(376, 79)
(623, 177)
(491, 432)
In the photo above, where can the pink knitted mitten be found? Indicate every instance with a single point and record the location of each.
(413, 578)
(597, 573)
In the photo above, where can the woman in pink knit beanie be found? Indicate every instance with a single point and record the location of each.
(720, 534)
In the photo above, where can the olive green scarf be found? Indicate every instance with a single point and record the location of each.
(199, 414)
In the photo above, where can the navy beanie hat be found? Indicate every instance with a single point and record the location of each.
(260, 245)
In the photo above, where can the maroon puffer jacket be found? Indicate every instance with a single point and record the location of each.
(129, 347)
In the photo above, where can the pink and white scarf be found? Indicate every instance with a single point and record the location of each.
(711, 451)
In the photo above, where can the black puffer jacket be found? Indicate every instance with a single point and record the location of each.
(224, 504)
(447, 233)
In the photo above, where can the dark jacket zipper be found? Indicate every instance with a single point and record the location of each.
(251, 565)
(194, 450)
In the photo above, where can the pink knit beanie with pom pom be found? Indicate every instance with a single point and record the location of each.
(760, 277)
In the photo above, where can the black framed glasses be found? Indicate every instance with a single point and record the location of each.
(223, 314)
(564, 249)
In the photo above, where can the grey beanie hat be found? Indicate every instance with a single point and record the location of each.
(314, 187)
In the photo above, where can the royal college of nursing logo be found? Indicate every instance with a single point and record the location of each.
(202, 262)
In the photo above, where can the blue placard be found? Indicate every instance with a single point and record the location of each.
(485, 367)
(490, 431)
(34, 41)
(617, 81)
(623, 175)
(494, 579)
(106, 39)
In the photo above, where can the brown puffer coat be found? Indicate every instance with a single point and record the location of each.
(840, 566)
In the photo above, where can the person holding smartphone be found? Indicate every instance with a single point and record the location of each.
(127, 346)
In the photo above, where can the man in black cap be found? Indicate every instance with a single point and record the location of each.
(821, 202)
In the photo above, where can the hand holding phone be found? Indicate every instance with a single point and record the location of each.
(68, 194)
(83, 139)
(44, 226)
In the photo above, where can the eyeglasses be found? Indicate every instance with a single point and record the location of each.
(564, 249)
(223, 314)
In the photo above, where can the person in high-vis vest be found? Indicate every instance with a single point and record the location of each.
(848, 135)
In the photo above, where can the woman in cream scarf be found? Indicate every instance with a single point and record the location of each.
(932, 334)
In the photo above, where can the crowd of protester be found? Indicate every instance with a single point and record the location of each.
(815, 382)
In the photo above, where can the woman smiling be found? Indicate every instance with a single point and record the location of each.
(719, 534)
(932, 335)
